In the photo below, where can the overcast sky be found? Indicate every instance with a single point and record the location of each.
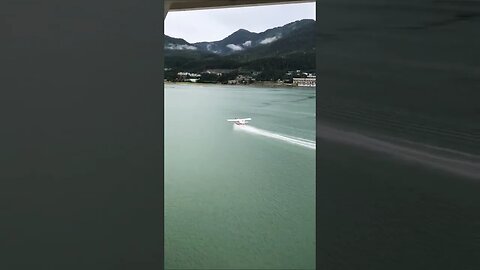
(216, 24)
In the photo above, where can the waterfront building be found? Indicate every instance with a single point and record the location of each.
(309, 81)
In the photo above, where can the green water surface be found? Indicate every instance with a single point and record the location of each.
(233, 199)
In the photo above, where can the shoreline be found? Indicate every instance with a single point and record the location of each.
(257, 84)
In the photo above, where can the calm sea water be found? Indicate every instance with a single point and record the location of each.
(239, 198)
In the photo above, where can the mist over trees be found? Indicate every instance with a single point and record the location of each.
(290, 47)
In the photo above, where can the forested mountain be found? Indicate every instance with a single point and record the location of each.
(291, 46)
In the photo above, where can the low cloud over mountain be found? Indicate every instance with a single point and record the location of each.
(290, 46)
(240, 40)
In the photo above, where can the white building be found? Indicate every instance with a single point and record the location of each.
(188, 74)
(310, 81)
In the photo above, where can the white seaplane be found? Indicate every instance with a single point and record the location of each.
(240, 121)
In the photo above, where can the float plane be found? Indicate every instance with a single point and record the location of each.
(239, 121)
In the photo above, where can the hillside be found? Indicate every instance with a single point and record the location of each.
(291, 46)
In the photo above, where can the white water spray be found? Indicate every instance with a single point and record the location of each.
(289, 139)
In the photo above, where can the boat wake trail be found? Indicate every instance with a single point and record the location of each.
(464, 164)
(289, 139)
